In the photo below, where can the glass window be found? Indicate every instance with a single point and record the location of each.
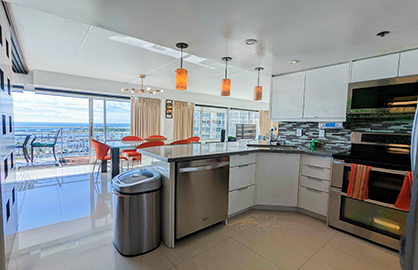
(208, 122)
(118, 119)
(196, 127)
(241, 117)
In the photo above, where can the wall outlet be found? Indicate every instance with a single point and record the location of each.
(298, 132)
(321, 133)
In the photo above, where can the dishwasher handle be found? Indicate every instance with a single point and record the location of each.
(204, 168)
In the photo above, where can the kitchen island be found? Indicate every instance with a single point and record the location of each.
(259, 176)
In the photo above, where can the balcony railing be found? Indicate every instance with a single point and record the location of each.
(72, 141)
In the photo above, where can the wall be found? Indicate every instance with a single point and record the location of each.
(340, 138)
(9, 200)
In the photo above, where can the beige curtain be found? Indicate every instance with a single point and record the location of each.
(183, 120)
(145, 117)
(265, 123)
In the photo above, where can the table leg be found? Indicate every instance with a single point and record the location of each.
(114, 154)
(104, 166)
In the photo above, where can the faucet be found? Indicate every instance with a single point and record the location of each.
(271, 135)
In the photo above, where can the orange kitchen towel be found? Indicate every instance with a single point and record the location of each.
(358, 187)
(404, 198)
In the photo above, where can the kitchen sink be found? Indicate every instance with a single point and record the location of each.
(275, 146)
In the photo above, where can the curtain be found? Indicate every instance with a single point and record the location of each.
(265, 123)
(183, 120)
(145, 117)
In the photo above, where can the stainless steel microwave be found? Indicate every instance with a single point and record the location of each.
(385, 96)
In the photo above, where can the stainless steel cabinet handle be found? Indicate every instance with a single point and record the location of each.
(317, 191)
(240, 166)
(316, 179)
(375, 169)
(247, 154)
(204, 168)
(243, 188)
(316, 167)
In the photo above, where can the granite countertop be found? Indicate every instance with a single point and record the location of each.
(187, 152)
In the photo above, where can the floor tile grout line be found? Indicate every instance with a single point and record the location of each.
(229, 237)
(201, 252)
(336, 248)
(256, 253)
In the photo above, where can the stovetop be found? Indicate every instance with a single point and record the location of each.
(388, 159)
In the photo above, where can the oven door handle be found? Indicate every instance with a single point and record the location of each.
(388, 205)
(375, 169)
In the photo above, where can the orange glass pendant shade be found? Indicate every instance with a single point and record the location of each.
(225, 87)
(258, 90)
(258, 93)
(181, 79)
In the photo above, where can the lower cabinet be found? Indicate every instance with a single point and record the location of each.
(240, 199)
(313, 200)
(278, 179)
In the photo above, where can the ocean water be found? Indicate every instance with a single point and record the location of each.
(70, 125)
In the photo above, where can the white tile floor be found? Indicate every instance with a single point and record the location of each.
(67, 224)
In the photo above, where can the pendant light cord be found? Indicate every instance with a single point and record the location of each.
(181, 59)
(258, 79)
(226, 69)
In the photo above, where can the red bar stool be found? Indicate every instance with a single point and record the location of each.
(138, 156)
(101, 150)
(194, 139)
(180, 142)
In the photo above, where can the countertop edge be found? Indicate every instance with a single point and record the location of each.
(256, 149)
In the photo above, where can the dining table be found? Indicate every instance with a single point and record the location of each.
(116, 147)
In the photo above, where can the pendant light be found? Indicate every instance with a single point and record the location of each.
(226, 83)
(181, 73)
(142, 90)
(258, 90)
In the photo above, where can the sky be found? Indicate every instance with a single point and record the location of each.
(31, 107)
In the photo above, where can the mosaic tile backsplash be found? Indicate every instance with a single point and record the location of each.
(340, 138)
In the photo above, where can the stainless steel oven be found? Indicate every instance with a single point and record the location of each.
(385, 96)
(376, 219)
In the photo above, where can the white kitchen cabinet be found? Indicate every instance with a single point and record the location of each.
(286, 101)
(278, 179)
(314, 200)
(375, 68)
(326, 93)
(408, 63)
(240, 199)
(241, 176)
(242, 159)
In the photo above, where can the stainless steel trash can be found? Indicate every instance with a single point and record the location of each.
(136, 211)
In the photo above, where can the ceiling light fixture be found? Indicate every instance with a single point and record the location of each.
(383, 34)
(250, 41)
(181, 73)
(142, 90)
(258, 90)
(226, 83)
(293, 62)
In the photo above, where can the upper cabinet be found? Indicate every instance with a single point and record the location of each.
(286, 101)
(408, 63)
(375, 68)
(326, 93)
(315, 95)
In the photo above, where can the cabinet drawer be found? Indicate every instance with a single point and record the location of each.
(241, 176)
(242, 159)
(313, 200)
(315, 183)
(316, 172)
(323, 162)
(240, 199)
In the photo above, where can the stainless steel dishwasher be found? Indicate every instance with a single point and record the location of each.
(201, 194)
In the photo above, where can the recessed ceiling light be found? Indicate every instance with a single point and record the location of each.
(383, 34)
(250, 41)
(294, 61)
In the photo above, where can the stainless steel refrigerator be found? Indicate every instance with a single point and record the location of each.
(409, 245)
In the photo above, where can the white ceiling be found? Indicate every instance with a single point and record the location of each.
(58, 44)
(316, 33)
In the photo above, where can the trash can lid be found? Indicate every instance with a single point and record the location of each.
(137, 181)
